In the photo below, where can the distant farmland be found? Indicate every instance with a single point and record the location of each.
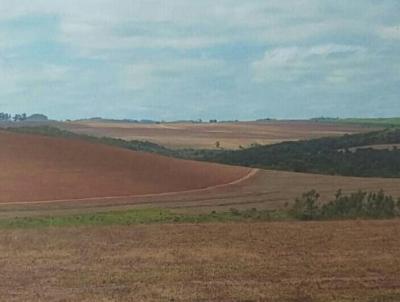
(206, 135)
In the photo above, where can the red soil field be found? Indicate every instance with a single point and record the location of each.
(35, 168)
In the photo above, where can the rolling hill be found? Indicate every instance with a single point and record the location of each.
(37, 168)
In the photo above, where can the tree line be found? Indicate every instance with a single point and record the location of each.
(330, 156)
(19, 117)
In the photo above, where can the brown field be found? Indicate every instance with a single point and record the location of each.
(35, 168)
(262, 189)
(277, 261)
(230, 135)
(272, 261)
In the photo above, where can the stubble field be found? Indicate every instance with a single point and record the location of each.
(276, 261)
(206, 135)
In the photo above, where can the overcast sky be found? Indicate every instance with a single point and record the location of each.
(189, 59)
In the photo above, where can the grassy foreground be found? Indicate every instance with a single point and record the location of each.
(140, 216)
(358, 205)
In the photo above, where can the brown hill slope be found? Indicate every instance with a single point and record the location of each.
(35, 168)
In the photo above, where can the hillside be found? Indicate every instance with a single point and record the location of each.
(347, 155)
(334, 156)
(37, 168)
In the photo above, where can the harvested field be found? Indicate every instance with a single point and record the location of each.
(229, 135)
(254, 261)
(286, 261)
(35, 168)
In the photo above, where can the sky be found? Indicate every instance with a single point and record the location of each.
(191, 59)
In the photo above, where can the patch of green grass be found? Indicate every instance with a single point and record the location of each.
(341, 208)
(101, 218)
(140, 216)
(370, 122)
(234, 215)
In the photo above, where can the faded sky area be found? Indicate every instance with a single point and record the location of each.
(184, 59)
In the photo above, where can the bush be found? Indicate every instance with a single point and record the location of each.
(355, 205)
(350, 206)
(306, 207)
(234, 211)
(379, 205)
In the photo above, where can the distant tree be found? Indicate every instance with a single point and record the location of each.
(19, 117)
(37, 117)
(322, 156)
(4, 117)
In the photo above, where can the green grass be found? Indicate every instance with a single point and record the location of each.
(360, 205)
(383, 122)
(139, 216)
(380, 122)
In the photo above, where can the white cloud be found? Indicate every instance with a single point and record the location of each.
(89, 26)
(13, 79)
(91, 38)
(296, 63)
(389, 32)
(143, 75)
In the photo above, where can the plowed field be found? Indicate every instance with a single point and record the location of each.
(35, 168)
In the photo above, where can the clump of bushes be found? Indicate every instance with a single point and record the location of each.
(360, 204)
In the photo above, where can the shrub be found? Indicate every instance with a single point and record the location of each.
(306, 207)
(234, 211)
(379, 205)
(355, 205)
